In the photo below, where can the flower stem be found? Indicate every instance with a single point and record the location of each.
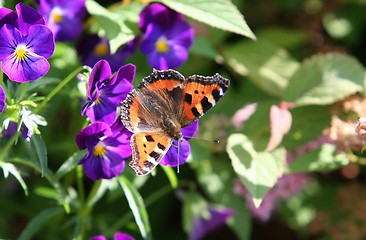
(60, 86)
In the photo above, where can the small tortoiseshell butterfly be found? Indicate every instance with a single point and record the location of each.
(164, 103)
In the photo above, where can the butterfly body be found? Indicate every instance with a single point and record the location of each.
(163, 104)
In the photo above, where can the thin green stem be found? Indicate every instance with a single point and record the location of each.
(58, 88)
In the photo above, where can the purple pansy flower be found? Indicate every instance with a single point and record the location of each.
(108, 147)
(165, 42)
(63, 17)
(202, 226)
(171, 158)
(2, 99)
(106, 93)
(25, 45)
(91, 48)
(117, 236)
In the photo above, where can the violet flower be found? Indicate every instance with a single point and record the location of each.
(117, 236)
(91, 48)
(108, 148)
(25, 45)
(167, 37)
(2, 99)
(106, 93)
(171, 158)
(202, 226)
(63, 17)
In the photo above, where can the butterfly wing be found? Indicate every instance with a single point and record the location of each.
(148, 148)
(200, 94)
(158, 97)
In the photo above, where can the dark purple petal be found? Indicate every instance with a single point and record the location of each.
(100, 73)
(26, 133)
(105, 111)
(40, 40)
(127, 72)
(7, 16)
(91, 134)
(152, 34)
(11, 129)
(176, 56)
(122, 236)
(172, 159)
(28, 70)
(9, 36)
(74, 8)
(68, 29)
(2, 99)
(203, 226)
(27, 17)
(159, 13)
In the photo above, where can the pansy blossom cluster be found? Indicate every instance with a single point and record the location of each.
(165, 40)
(106, 139)
(25, 45)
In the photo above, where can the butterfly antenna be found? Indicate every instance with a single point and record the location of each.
(179, 142)
(205, 139)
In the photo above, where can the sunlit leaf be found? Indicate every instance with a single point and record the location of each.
(258, 171)
(324, 79)
(9, 168)
(137, 207)
(221, 14)
(267, 66)
(70, 164)
(323, 159)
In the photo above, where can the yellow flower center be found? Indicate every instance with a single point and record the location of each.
(101, 49)
(99, 150)
(20, 54)
(161, 45)
(57, 17)
(97, 101)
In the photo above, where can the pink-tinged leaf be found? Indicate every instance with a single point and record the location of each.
(243, 114)
(281, 120)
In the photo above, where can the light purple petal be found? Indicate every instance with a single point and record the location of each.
(68, 29)
(9, 37)
(2, 99)
(127, 72)
(190, 130)
(98, 237)
(101, 72)
(28, 70)
(74, 8)
(181, 34)
(27, 17)
(40, 40)
(172, 159)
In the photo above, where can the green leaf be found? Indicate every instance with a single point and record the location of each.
(69, 164)
(267, 66)
(47, 192)
(10, 168)
(202, 46)
(38, 221)
(221, 14)
(169, 172)
(41, 152)
(324, 79)
(323, 159)
(137, 207)
(258, 171)
(112, 24)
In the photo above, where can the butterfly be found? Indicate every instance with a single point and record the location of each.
(164, 103)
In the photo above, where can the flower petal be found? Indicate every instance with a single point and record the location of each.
(27, 17)
(90, 135)
(2, 99)
(190, 130)
(172, 159)
(100, 72)
(32, 68)
(8, 35)
(7, 16)
(40, 40)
